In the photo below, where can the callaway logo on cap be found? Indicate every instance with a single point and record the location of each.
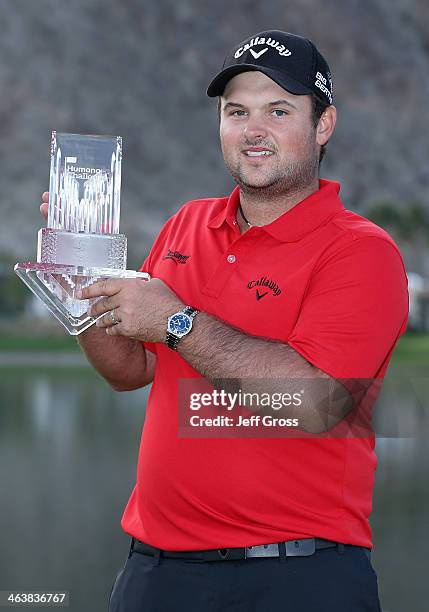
(292, 61)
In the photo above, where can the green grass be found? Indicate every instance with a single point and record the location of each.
(412, 348)
(27, 343)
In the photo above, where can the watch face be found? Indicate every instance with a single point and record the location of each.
(179, 324)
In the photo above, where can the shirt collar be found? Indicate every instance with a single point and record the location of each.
(229, 212)
(300, 220)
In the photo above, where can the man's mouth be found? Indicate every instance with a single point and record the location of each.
(257, 152)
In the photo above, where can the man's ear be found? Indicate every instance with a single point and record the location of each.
(326, 125)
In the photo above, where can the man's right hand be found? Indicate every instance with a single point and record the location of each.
(44, 205)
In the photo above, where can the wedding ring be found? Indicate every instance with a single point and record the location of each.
(113, 318)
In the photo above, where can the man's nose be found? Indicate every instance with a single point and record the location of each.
(255, 128)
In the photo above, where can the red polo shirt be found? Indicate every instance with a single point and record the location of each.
(329, 283)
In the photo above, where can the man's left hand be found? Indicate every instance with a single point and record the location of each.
(141, 308)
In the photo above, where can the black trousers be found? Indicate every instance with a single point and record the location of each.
(326, 581)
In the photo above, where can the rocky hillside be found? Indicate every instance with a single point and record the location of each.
(140, 69)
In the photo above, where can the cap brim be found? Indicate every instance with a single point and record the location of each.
(218, 84)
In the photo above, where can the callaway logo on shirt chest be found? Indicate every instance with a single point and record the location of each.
(263, 287)
(269, 42)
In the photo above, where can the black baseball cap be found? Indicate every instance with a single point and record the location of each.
(292, 61)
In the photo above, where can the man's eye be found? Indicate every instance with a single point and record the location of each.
(237, 111)
(278, 110)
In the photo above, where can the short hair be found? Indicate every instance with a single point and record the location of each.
(318, 108)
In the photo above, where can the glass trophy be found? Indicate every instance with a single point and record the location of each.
(81, 243)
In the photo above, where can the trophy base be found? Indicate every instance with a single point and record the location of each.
(56, 285)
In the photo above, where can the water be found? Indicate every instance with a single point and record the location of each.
(68, 453)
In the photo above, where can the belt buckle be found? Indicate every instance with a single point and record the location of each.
(301, 548)
(264, 550)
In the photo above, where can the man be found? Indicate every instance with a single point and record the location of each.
(278, 282)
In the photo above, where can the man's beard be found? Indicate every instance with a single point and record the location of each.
(279, 181)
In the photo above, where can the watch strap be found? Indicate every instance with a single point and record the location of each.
(172, 341)
(191, 312)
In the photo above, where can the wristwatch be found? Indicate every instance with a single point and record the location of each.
(179, 325)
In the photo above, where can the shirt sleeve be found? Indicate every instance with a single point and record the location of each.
(355, 310)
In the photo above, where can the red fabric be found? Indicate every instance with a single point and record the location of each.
(335, 289)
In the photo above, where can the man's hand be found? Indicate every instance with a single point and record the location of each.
(140, 307)
(44, 205)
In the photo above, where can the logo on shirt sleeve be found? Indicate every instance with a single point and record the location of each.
(177, 257)
(264, 286)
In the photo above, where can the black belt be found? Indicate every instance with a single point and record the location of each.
(292, 548)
